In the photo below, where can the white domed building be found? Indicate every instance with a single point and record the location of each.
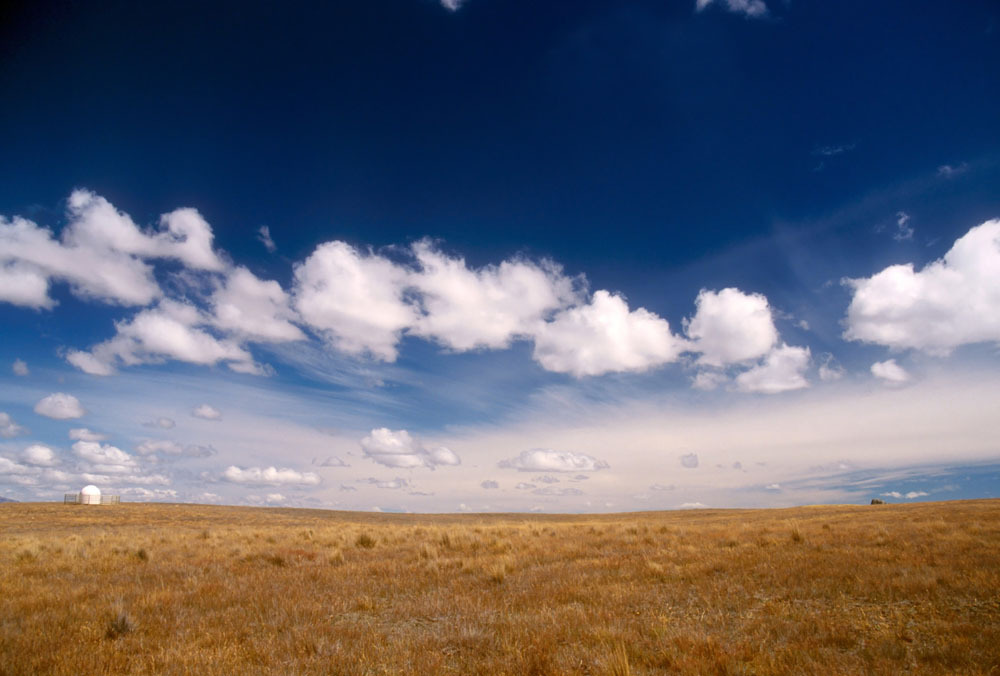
(91, 495)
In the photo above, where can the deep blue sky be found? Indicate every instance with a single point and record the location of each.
(655, 149)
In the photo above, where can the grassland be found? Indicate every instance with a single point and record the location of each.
(185, 589)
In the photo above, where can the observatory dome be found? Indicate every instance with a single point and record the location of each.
(90, 495)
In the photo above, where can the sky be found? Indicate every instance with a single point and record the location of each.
(499, 255)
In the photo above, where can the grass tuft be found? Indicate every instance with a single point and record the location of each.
(618, 664)
(120, 625)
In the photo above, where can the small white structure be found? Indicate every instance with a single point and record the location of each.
(90, 495)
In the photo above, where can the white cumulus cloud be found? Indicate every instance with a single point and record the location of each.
(397, 448)
(104, 458)
(548, 460)
(269, 476)
(8, 428)
(84, 434)
(604, 336)
(101, 253)
(354, 300)
(486, 308)
(30, 258)
(206, 412)
(890, 371)
(39, 456)
(9, 467)
(731, 327)
(167, 331)
(708, 380)
(254, 309)
(952, 301)
(20, 368)
(909, 496)
(783, 369)
(829, 369)
(60, 406)
(184, 235)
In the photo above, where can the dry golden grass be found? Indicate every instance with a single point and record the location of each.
(185, 589)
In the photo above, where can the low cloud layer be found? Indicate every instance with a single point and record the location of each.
(547, 460)
(172, 449)
(269, 476)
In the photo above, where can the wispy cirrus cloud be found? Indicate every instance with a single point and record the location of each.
(754, 9)
(264, 237)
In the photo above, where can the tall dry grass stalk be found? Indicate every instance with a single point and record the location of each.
(184, 589)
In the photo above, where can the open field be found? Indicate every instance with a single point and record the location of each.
(187, 589)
